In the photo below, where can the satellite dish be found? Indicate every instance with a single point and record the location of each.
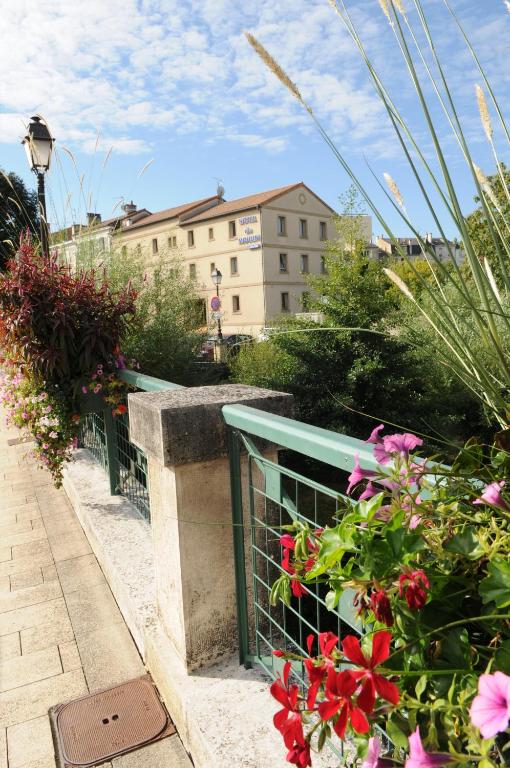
(220, 189)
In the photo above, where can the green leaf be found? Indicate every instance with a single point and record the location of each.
(420, 686)
(502, 657)
(332, 598)
(396, 541)
(397, 736)
(465, 543)
(367, 509)
(495, 588)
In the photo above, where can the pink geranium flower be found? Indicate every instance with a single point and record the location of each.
(359, 474)
(418, 758)
(374, 438)
(492, 495)
(490, 710)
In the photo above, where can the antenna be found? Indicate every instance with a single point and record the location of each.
(220, 189)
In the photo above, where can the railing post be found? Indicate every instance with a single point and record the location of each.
(236, 492)
(112, 451)
(185, 439)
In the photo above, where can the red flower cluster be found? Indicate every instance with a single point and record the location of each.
(349, 695)
(288, 720)
(289, 545)
(381, 606)
(413, 585)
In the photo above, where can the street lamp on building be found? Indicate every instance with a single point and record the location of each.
(216, 277)
(38, 145)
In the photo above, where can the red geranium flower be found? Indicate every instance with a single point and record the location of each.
(300, 755)
(381, 606)
(288, 719)
(414, 585)
(374, 683)
(340, 687)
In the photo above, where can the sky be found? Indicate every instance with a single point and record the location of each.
(157, 100)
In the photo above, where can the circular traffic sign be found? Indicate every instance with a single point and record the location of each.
(215, 303)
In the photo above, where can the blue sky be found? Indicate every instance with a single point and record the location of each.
(173, 87)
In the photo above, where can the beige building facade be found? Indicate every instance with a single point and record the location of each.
(264, 245)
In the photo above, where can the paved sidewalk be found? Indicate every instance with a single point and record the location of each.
(61, 632)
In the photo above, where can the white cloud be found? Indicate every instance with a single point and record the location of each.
(130, 69)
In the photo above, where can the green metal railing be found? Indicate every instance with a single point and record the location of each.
(107, 438)
(276, 496)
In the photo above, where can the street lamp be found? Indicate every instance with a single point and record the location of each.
(216, 277)
(38, 145)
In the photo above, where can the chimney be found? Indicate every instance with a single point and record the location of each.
(129, 208)
(93, 218)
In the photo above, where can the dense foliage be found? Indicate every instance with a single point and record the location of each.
(18, 211)
(61, 335)
(165, 335)
(424, 557)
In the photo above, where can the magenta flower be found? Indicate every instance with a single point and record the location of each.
(372, 759)
(48, 409)
(490, 710)
(369, 491)
(375, 439)
(418, 758)
(492, 495)
(84, 390)
(401, 443)
(359, 474)
(24, 415)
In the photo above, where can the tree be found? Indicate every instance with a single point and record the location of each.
(18, 212)
(485, 242)
(358, 358)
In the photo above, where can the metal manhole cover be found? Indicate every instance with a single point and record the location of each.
(95, 728)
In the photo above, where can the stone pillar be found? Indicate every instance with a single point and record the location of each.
(184, 437)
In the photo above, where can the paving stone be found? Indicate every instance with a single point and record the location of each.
(59, 630)
(23, 670)
(29, 741)
(26, 579)
(3, 747)
(34, 700)
(167, 753)
(79, 572)
(33, 548)
(41, 593)
(109, 656)
(42, 762)
(49, 573)
(9, 647)
(92, 608)
(56, 526)
(67, 546)
(32, 616)
(28, 512)
(15, 527)
(15, 539)
(5, 554)
(70, 656)
(21, 564)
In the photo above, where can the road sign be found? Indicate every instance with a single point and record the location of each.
(215, 303)
(217, 315)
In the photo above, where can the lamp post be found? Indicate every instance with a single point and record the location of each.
(38, 145)
(216, 277)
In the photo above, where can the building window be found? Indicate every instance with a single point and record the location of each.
(283, 262)
(155, 245)
(304, 263)
(193, 271)
(305, 301)
(323, 266)
(201, 306)
(211, 233)
(285, 302)
(123, 250)
(281, 225)
(323, 230)
(191, 238)
(303, 228)
(231, 229)
(233, 265)
(174, 241)
(212, 266)
(236, 304)
(138, 250)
